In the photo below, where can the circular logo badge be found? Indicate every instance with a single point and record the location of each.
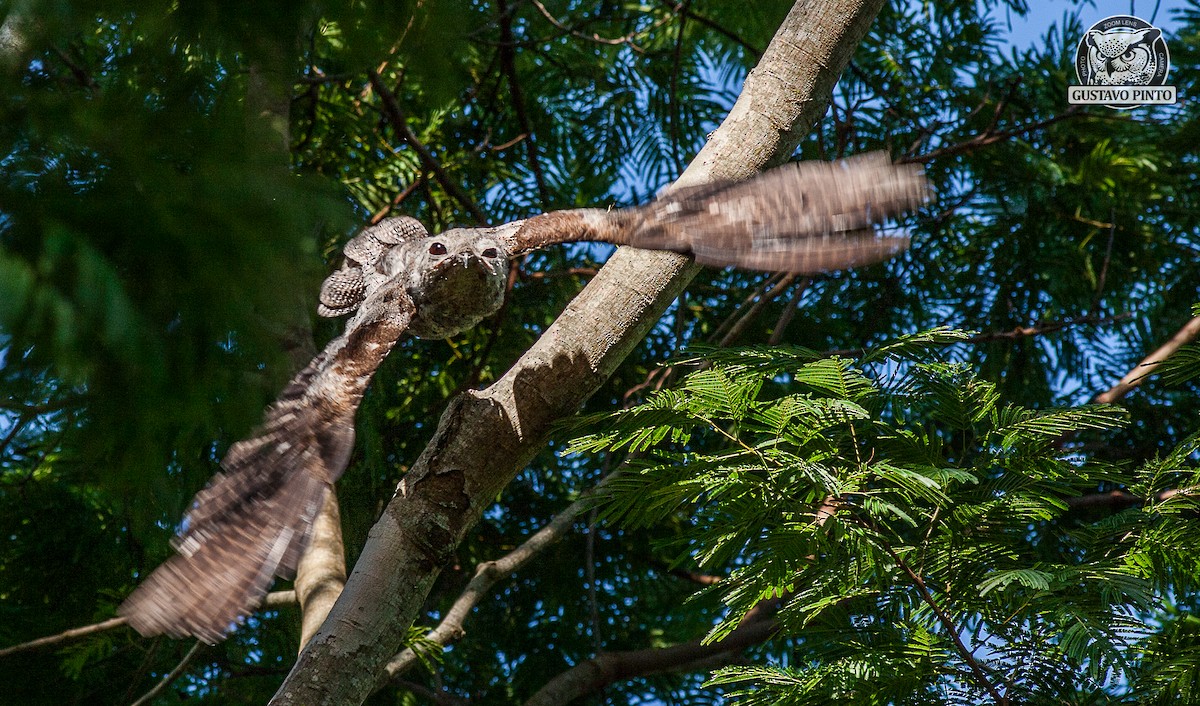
(1122, 51)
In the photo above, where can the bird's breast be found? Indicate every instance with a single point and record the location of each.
(455, 297)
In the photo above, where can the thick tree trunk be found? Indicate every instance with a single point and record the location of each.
(484, 438)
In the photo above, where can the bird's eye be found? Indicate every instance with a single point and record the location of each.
(490, 252)
(437, 249)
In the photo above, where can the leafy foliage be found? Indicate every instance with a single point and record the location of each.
(921, 541)
(161, 242)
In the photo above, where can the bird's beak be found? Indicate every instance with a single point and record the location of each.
(467, 260)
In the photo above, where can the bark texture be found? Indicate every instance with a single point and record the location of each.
(484, 438)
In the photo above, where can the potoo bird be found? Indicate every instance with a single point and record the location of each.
(253, 520)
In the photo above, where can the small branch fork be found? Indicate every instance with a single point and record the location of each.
(487, 574)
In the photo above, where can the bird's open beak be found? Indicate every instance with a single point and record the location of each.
(470, 260)
(467, 261)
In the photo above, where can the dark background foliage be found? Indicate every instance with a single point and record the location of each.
(162, 238)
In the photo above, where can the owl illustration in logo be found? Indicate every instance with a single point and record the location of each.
(1122, 56)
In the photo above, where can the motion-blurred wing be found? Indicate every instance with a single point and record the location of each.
(253, 520)
(803, 217)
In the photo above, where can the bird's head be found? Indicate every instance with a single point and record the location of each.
(455, 279)
(456, 254)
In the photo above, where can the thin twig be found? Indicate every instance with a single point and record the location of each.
(951, 629)
(405, 193)
(626, 40)
(82, 76)
(508, 65)
(437, 696)
(551, 274)
(746, 304)
(1048, 327)
(399, 121)
(1117, 500)
(594, 674)
(17, 426)
(43, 408)
(1012, 334)
(171, 676)
(673, 90)
(63, 636)
(989, 137)
(1108, 251)
(789, 312)
(782, 282)
(696, 577)
(274, 599)
(589, 560)
(688, 13)
(726, 333)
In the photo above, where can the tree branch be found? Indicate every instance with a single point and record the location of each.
(1143, 369)
(609, 667)
(170, 677)
(321, 574)
(485, 438)
(451, 629)
(275, 599)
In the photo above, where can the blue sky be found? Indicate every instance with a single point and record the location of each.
(1043, 13)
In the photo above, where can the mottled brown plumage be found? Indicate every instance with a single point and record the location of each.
(252, 522)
